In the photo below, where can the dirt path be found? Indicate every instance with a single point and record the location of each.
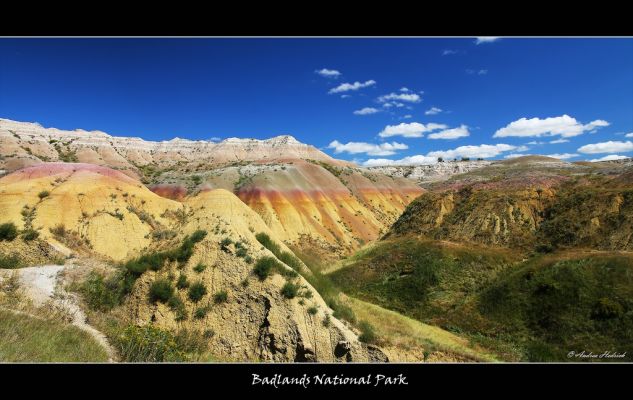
(44, 283)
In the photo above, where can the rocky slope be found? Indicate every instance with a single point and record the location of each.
(23, 144)
(431, 172)
(306, 197)
(527, 202)
(110, 215)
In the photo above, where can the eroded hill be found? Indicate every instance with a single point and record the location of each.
(193, 267)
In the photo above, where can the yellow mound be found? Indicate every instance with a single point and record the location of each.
(113, 214)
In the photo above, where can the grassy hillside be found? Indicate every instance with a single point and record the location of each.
(25, 338)
(529, 310)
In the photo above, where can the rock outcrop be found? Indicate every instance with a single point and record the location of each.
(113, 216)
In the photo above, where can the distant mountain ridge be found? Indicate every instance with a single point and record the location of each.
(25, 143)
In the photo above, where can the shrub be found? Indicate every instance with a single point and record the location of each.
(220, 297)
(101, 294)
(248, 259)
(241, 252)
(59, 230)
(177, 306)
(200, 312)
(10, 261)
(30, 234)
(289, 290)
(225, 242)
(199, 268)
(607, 309)
(182, 282)
(290, 260)
(264, 266)
(327, 321)
(8, 231)
(313, 310)
(197, 291)
(368, 335)
(43, 194)
(147, 344)
(161, 290)
(267, 242)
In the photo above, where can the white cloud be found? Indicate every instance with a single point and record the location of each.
(408, 97)
(328, 73)
(478, 72)
(411, 160)
(448, 52)
(486, 39)
(522, 148)
(481, 151)
(345, 96)
(346, 87)
(433, 111)
(534, 142)
(408, 116)
(610, 157)
(411, 130)
(366, 111)
(559, 141)
(515, 155)
(564, 126)
(607, 147)
(454, 133)
(629, 134)
(383, 149)
(404, 89)
(562, 156)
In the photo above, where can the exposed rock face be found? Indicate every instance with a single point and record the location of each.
(122, 219)
(339, 208)
(303, 195)
(24, 144)
(431, 172)
(102, 208)
(528, 201)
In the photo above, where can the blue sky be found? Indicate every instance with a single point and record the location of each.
(423, 98)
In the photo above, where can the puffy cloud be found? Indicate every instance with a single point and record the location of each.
(346, 87)
(366, 111)
(564, 126)
(478, 72)
(559, 141)
(486, 39)
(607, 147)
(407, 97)
(382, 149)
(481, 151)
(328, 73)
(629, 134)
(412, 160)
(404, 89)
(515, 155)
(454, 133)
(433, 111)
(610, 157)
(408, 116)
(345, 96)
(562, 156)
(412, 130)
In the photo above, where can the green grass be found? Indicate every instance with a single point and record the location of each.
(537, 310)
(28, 339)
(10, 261)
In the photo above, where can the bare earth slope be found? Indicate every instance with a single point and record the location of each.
(119, 218)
